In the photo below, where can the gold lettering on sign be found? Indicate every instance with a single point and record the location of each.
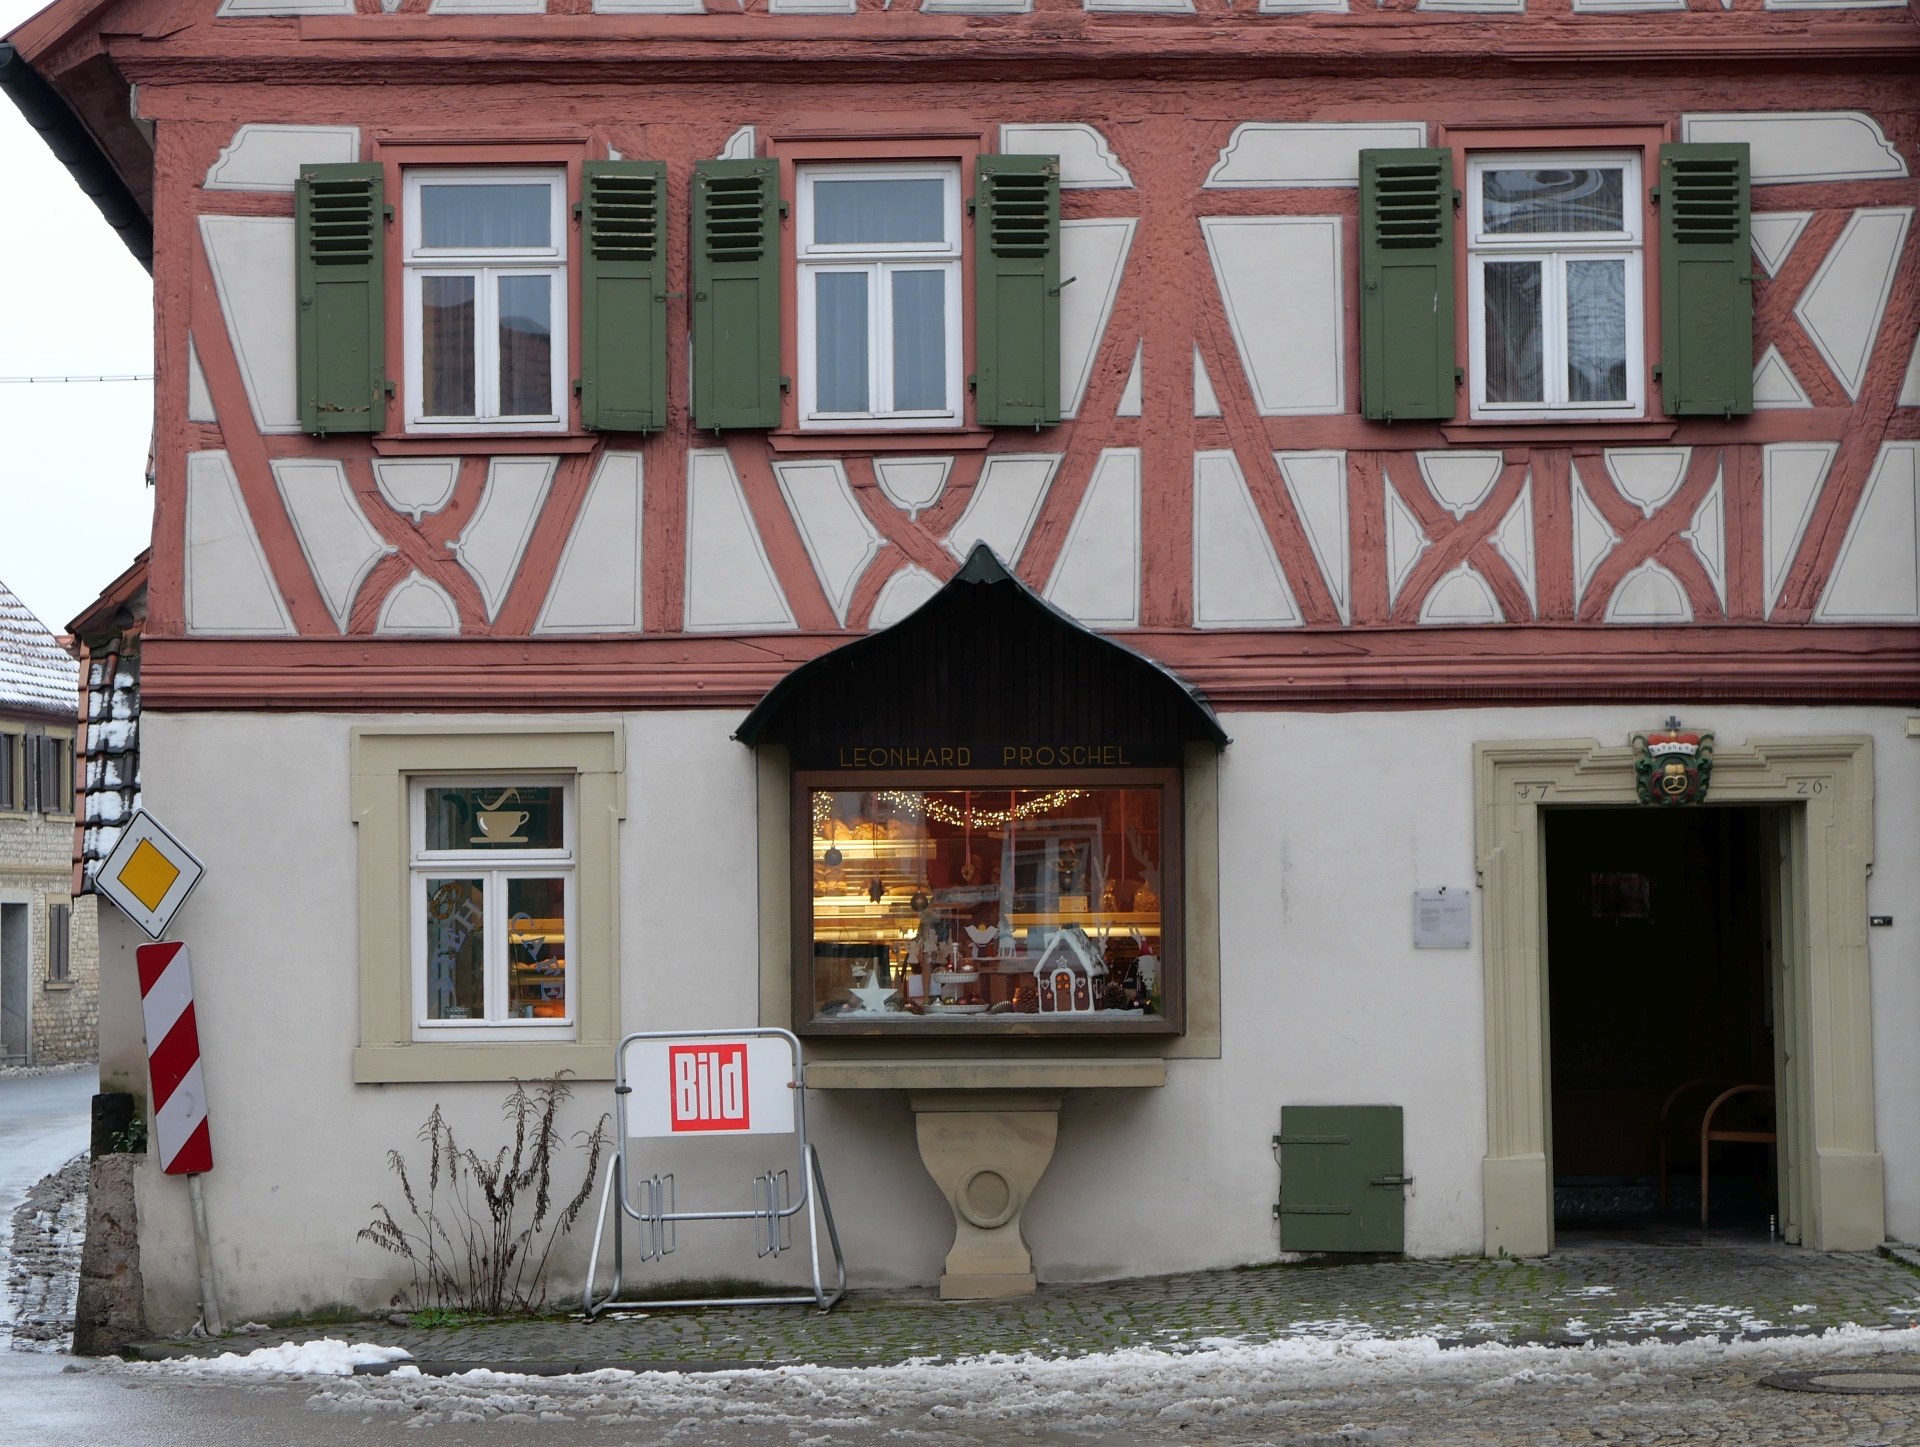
(960, 756)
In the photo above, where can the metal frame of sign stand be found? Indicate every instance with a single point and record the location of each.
(772, 1207)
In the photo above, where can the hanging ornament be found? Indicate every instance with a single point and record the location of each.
(876, 891)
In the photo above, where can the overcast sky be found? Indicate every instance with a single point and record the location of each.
(74, 503)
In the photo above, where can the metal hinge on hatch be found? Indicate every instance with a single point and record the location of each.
(1313, 1210)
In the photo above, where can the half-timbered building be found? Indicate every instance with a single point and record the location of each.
(1379, 541)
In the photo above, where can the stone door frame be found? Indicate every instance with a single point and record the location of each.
(1827, 1105)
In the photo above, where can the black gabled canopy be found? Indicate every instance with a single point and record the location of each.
(985, 662)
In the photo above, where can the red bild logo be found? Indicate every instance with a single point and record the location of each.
(709, 1085)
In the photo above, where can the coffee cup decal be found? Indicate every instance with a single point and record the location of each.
(499, 825)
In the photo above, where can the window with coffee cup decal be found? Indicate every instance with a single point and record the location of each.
(990, 909)
(493, 876)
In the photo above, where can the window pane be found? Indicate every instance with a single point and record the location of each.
(456, 949)
(1597, 331)
(1526, 202)
(968, 904)
(536, 949)
(1513, 331)
(486, 215)
(919, 341)
(840, 341)
(879, 212)
(496, 817)
(526, 346)
(446, 345)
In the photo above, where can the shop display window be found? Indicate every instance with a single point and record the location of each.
(492, 893)
(991, 908)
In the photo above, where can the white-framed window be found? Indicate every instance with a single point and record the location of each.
(1556, 284)
(879, 295)
(493, 907)
(486, 299)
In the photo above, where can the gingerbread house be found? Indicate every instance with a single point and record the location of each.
(1070, 974)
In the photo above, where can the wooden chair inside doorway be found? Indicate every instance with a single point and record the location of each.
(1707, 1133)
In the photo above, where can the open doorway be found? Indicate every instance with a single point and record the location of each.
(1661, 1003)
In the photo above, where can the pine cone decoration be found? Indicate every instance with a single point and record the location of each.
(1026, 1000)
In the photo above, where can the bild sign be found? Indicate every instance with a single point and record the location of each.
(708, 1087)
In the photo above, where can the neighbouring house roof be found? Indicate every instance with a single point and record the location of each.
(36, 675)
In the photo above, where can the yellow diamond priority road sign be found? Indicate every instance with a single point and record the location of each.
(149, 874)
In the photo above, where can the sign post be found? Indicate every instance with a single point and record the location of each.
(149, 875)
(709, 1085)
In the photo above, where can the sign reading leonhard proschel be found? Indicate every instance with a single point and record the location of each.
(149, 874)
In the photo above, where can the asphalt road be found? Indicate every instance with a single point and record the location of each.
(45, 1121)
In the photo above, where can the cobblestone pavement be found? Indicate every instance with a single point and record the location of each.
(1603, 1288)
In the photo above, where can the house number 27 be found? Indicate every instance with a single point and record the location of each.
(1532, 791)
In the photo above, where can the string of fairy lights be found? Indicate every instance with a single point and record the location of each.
(928, 806)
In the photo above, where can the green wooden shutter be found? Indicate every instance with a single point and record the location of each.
(340, 223)
(736, 294)
(623, 296)
(1706, 280)
(1341, 1182)
(1407, 362)
(1016, 247)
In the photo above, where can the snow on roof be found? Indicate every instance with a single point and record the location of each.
(35, 671)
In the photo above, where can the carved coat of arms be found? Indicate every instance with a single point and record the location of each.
(1672, 765)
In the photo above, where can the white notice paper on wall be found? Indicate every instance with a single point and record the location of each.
(1442, 919)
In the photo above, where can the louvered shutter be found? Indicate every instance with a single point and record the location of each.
(1016, 296)
(1706, 280)
(340, 250)
(59, 941)
(736, 294)
(30, 773)
(1407, 362)
(623, 296)
(9, 789)
(53, 792)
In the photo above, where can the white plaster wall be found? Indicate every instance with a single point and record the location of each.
(1328, 823)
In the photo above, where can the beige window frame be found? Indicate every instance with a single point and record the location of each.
(1834, 1196)
(591, 755)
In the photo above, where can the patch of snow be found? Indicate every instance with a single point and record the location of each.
(1221, 1380)
(328, 1357)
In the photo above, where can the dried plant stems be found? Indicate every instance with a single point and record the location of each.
(472, 1245)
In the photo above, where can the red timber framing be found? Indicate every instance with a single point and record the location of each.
(1167, 94)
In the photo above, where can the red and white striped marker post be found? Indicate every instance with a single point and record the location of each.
(179, 1102)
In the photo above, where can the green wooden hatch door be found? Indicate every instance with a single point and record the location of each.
(1342, 1184)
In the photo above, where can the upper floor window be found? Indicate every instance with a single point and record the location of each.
(493, 908)
(36, 773)
(1555, 278)
(486, 299)
(879, 295)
